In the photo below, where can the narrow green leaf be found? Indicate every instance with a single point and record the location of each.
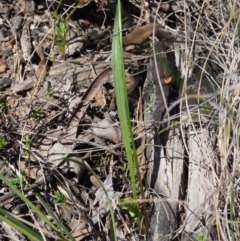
(120, 88)
(19, 226)
(31, 205)
(58, 222)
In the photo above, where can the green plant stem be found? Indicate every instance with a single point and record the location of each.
(123, 105)
(32, 206)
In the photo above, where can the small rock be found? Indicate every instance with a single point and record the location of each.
(5, 83)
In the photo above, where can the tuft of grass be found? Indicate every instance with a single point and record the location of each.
(60, 25)
(56, 226)
(60, 30)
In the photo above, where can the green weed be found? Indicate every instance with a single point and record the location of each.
(59, 197)
(130, 206)
(20, 180)
(3, 143)
(26, 141)
(38, 113)
(124, 167)
(200, 237)
(52, 57)
(60, 39)
(3, 106)
(60, 24)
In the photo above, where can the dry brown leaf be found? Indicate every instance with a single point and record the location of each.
(88, 137)
(81, 233)
(141, 134)
(100, 98)
(24, 40)
(138, 35)
(58, 152)
(75, 45)
(41, 70)
(106, 130)
(34, 172)
(132, 83)
(3, 66)
(100, 199)
(94, 181)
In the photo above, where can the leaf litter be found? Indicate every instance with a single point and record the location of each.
(61, 97)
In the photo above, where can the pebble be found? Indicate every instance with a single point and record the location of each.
(5, 83)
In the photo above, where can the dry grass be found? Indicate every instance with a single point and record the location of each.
(206, 50)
